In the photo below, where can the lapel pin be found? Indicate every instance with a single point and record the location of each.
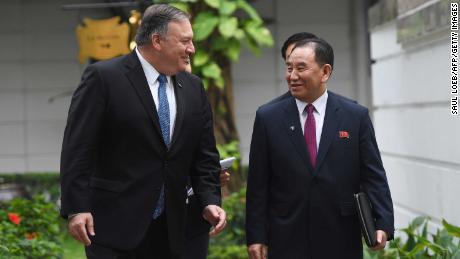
(344, 134)
(292, 128)
(179, 84)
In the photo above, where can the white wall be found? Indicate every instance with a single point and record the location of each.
(418, 137)
(38, 51)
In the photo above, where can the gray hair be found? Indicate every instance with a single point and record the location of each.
(155, 21)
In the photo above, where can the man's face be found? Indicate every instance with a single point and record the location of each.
(305, 77)
(177, 46)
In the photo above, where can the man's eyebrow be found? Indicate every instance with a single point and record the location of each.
(300, 63)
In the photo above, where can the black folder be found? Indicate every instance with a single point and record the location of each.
(366, 219)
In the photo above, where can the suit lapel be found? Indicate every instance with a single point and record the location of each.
(330, 128)
(137, 78)
(294, 130)
(180, 107)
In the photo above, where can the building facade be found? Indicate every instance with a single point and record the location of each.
(402, 75)
(418, 137)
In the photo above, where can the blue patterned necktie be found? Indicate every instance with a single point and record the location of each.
(163, 116)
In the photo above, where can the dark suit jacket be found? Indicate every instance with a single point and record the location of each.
(114, 160)
(280, 98)
(301, 212)
(196, 224)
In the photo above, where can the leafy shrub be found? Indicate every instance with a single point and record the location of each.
(30, 229)
(228, 252)
(420, 244)
(46, 184)
(238, 173)
(231, 243)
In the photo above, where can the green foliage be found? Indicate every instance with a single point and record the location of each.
(72, 248)
(228, 150)
(231, 243)
(227, 23)
(30, 229)
(46, 184)
(230, 251)
(420, 244)
(238, 176)
(451, 229)
(204, 24)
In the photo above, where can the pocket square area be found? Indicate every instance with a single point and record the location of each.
(344, 134)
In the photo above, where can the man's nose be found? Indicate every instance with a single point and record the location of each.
(293, 75)
(191, 49)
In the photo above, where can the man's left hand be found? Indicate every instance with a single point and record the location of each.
(224, 177)
(381, 240)
(215, 215)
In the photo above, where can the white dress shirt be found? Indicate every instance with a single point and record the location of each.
(152, 75)
(318, 113)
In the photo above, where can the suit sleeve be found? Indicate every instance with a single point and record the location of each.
(373, 178)
(258, 186)
(80, 142)
(205, 175)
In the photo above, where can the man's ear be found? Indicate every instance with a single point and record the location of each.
(327, 71)
(156, 39)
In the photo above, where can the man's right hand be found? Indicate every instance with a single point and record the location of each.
(79, 227)
(257, 251)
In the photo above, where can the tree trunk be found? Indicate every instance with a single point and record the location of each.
(225, 129)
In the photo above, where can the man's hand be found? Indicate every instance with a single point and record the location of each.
(257, 251)
(381, 240)
(79, 227)
(224, 177)
(216, 217)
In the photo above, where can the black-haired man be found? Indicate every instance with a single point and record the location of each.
(310, 153)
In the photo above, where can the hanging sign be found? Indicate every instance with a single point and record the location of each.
(102, 39)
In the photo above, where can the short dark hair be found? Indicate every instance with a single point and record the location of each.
(296, 37)
(155, 20)
(324, 54)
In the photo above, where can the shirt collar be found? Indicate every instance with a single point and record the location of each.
(319, 104)
(150, 72)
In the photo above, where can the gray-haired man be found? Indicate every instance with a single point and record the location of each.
(138, 127)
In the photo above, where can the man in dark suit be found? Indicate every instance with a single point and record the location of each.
(309, 154)
(197, 228)
(138, 128)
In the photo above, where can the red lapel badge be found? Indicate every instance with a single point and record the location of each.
(344, 134)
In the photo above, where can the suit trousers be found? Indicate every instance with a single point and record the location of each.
(197, 247)
(154, 245)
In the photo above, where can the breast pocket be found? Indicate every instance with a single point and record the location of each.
(345, 143)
